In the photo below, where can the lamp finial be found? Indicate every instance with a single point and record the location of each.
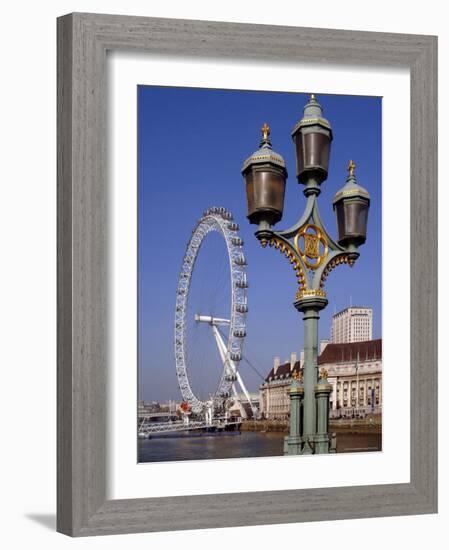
(265, 131)
(351, 168)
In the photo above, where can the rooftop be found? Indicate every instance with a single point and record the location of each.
(283, 370)
(342, 353)
(352, 307)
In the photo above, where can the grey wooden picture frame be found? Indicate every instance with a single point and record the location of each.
(83, 41)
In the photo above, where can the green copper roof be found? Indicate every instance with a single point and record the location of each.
(313, 116)
(265, 153)
(351, 187)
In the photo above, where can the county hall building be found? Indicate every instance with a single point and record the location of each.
(354, 372)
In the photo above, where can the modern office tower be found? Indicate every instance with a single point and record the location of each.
(353, 324)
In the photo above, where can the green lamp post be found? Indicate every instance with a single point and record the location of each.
(293, 443)
(310, 250)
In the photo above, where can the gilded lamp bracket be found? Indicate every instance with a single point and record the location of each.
(310, 249)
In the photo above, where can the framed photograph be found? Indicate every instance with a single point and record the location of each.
(194, 398)
(192, 357)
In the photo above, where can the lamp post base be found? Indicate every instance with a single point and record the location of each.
(309, 445)
(292, 445)
(322, 444)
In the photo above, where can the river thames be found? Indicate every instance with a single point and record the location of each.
(240, 445)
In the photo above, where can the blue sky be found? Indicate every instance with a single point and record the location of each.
(191, 146)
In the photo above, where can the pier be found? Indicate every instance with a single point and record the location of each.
(146, 429)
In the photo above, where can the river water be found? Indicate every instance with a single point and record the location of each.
(239, 445)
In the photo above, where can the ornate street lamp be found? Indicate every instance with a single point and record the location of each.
(312, 253)
(265, 174)
(312, 137)
(351, 204)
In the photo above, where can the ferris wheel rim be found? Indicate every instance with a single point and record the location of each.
(220, 220)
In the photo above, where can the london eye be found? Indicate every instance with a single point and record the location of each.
(228, 329)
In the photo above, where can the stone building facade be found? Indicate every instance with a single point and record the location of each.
(354, 372)
(274, 396)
